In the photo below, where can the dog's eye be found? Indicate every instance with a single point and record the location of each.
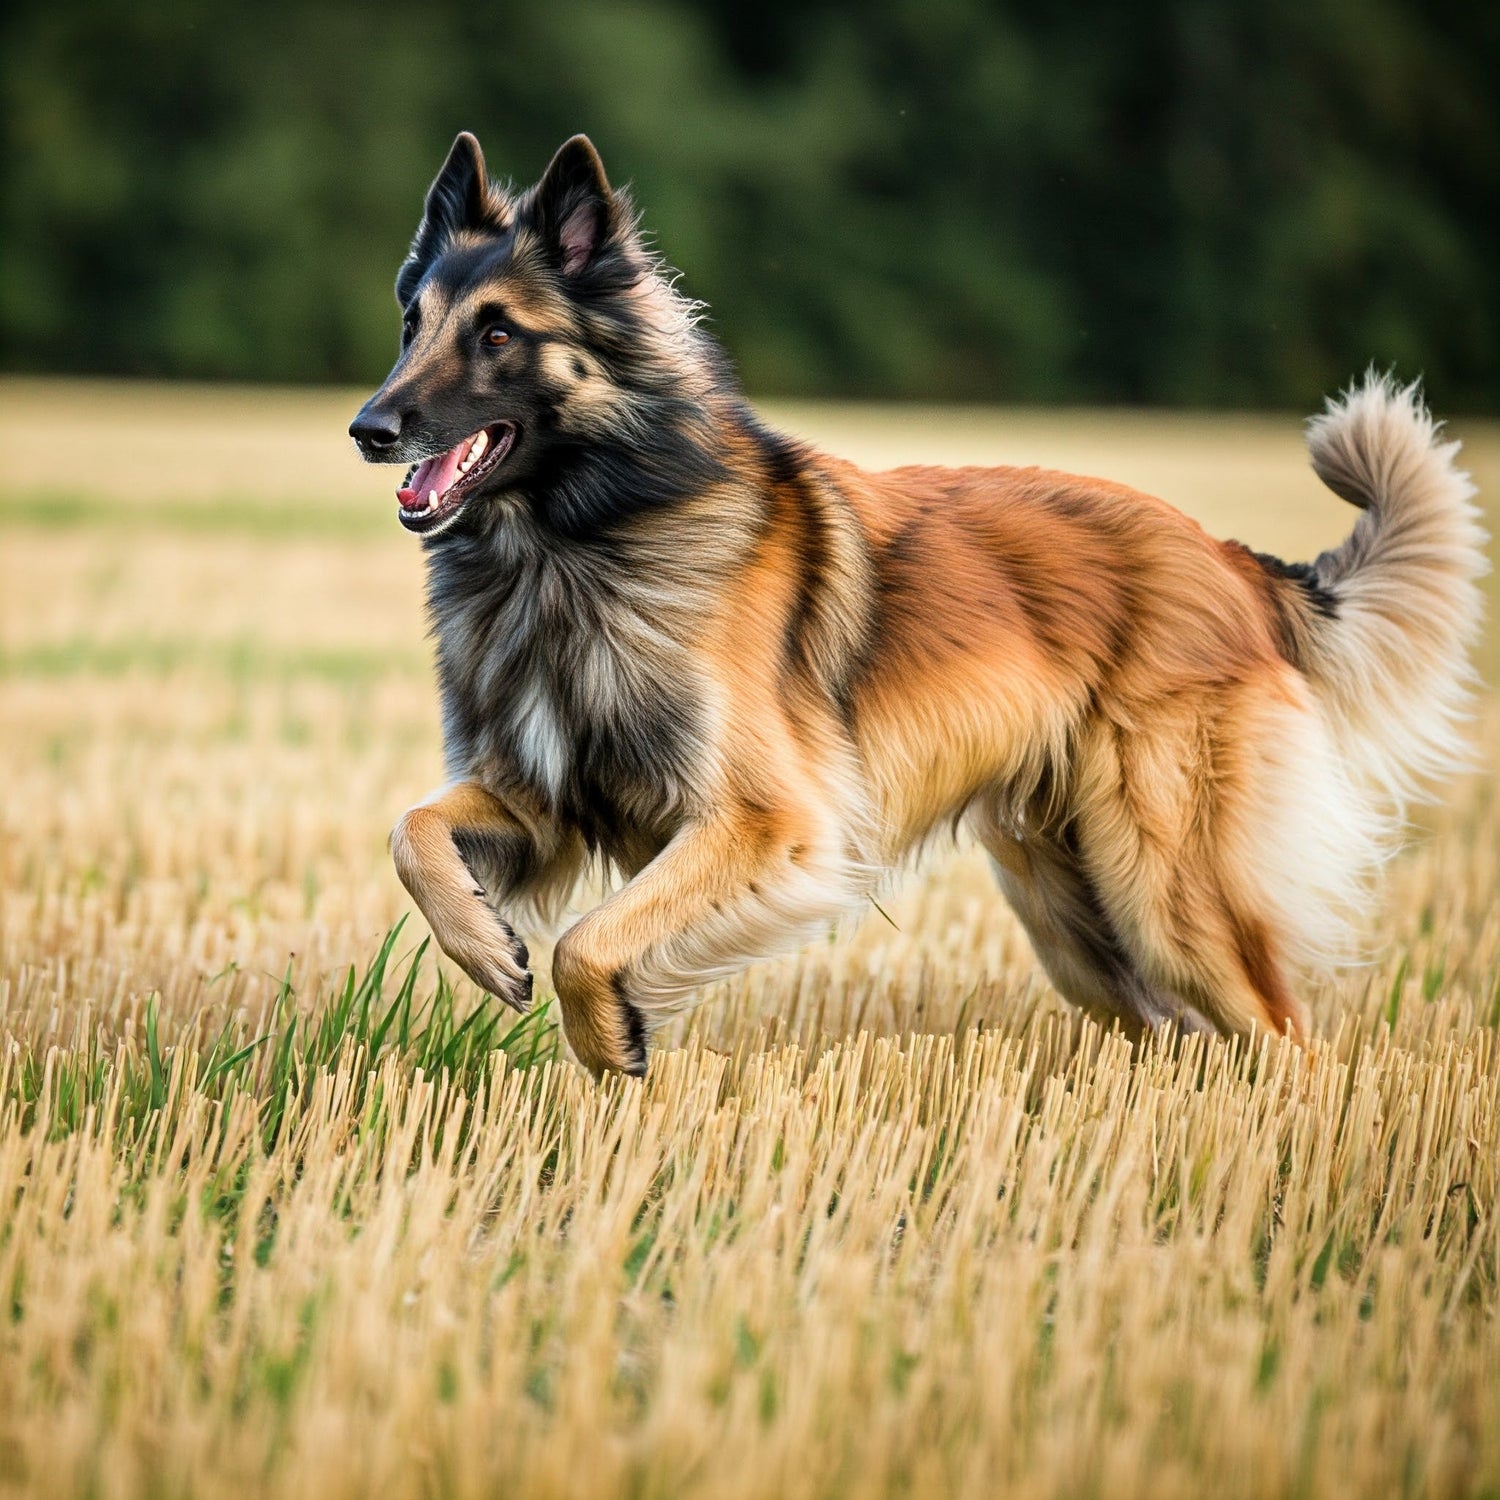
(494, 336)
(408, 331)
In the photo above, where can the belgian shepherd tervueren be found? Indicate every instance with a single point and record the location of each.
(749, 678)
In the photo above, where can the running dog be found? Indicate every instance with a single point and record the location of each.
(749, 678)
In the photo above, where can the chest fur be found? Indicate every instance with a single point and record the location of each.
(571, 675)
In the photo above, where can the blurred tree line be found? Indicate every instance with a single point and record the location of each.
(1186, 201)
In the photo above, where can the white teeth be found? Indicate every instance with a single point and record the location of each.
(476, 451)
(432, 499)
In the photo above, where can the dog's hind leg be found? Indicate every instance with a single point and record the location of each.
(1045, 884)
(1227, 847)
(464, 854)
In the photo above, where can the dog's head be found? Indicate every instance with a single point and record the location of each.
(532, 324)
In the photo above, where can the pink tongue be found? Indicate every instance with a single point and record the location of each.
(434, 474)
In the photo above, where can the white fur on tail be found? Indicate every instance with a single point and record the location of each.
(1392, 666)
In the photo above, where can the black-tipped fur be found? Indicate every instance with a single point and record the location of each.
(456, 201)
(748, 676)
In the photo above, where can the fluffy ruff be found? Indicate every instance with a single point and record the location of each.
(752, 678)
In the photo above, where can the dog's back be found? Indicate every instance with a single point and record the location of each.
(752, 677)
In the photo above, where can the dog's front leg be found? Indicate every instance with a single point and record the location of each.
(723, 893)
(462, 855)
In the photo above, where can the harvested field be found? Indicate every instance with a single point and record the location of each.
(287, 1209)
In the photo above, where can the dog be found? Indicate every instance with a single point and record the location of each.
(749, 678)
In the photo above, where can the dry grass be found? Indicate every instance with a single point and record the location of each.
(891, 1222)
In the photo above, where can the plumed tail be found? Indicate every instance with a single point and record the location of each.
(1388, 616)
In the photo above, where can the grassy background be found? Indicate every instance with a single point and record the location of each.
(892, 1220)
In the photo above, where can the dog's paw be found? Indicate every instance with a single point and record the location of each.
(515, 993)
(632, 1058)
(617, 1046)
(498, 962)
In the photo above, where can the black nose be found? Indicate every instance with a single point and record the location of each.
(376, 427)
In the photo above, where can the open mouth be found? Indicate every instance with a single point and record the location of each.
(437, 488)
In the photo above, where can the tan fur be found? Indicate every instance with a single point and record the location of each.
(425, 848)
(754, 698)
(1080, 670)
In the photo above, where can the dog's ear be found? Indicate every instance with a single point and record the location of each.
(576, 210)
(456, 200)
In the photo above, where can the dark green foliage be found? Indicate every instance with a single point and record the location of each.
(1169, 201)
